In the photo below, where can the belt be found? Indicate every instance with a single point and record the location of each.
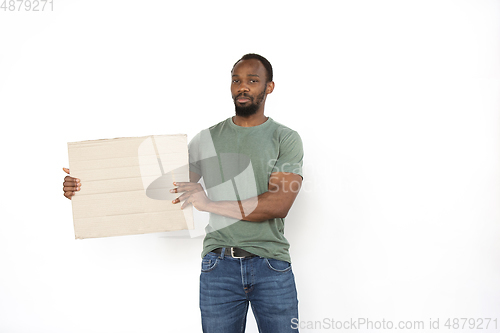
(234, 252)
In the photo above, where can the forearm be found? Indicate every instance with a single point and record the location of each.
(275, 203)
(257, 209)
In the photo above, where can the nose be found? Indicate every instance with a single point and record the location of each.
(242, 87)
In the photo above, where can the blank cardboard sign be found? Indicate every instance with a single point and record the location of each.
(126, 183)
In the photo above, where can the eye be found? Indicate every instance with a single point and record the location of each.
(236, 81)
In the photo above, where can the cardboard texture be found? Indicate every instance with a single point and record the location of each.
(126, 183)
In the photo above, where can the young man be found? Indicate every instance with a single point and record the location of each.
(252, 170)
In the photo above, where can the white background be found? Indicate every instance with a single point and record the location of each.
(397, 103)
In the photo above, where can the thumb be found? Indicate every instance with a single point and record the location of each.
(66, 170)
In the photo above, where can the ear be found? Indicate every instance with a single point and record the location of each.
(270, 87)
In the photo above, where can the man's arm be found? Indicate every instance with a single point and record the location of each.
(275, 203)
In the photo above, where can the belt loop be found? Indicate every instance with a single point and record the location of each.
(222, 253)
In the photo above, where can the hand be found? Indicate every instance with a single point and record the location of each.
(193, 194)
(70, 185)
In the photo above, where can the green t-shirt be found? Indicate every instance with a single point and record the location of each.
(236, 164)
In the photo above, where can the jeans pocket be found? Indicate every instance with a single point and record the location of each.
(209, 263)
(278, 265)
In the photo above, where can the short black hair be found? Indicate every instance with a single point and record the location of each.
(264, 61)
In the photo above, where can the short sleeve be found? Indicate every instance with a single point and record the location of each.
(290, 154)
(194, 155)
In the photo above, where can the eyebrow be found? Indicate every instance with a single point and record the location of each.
(247, 75)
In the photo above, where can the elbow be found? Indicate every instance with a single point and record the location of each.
(273, 214)
(282, 213)
(280, 210)
(282, 216)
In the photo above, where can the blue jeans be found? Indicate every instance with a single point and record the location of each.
(228, 285)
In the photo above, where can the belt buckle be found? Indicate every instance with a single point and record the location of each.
(232, 254)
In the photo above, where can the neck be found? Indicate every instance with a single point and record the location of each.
(250, 121)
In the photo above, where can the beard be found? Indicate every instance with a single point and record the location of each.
(246, 111)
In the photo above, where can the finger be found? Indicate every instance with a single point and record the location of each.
(184, 196)
(71, 188)
(69, 194)
(187, 187)
(71, 183)
(70, 179)
(181, 187)
(176, 200)
(66, 170)
(185, 204)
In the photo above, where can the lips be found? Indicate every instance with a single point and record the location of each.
(242, 99)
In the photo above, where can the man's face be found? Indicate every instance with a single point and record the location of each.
(248, 87)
